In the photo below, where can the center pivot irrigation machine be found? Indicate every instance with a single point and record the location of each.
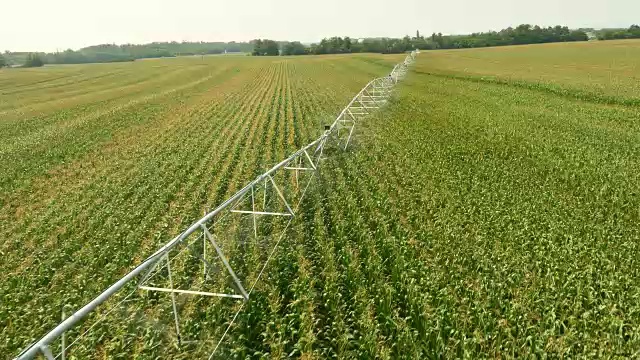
(212, 252)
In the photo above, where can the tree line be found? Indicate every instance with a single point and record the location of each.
(523, 34)
(633, 32)
(127, 52)
(26, 60)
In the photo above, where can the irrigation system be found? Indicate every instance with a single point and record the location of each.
(276, 193)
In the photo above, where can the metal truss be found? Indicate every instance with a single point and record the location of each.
(372, 97)
(261, 209)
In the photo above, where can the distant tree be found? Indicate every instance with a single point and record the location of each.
(346, 45)
(257, 47)
(265, 47)
(271, 48)
(438, 40)
(293, 48)
(33, 60)
(3, 62)
(356, 46)
(406, 43)
(338, 45)
(633, 32)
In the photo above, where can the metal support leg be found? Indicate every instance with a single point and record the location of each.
(264, 196)
(349, 138)
(322, 149)
(47, 352)
(173, 298)
(204, 253)
(298, 165)
(253, 208)
(63, 338)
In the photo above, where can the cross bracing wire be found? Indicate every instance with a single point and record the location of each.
(276, 191)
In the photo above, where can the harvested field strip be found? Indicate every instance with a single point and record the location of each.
(606, 71)
(552, 89)
(102, 90)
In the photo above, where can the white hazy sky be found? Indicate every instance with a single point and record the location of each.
(48, 25)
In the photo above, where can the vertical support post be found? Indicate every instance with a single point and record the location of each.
(63, 337)
(253, 208)
(298, 164)
(173, 298)
(264, 196)
(204, 253)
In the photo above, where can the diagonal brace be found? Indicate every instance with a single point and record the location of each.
(225, 262)
(277, 189)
